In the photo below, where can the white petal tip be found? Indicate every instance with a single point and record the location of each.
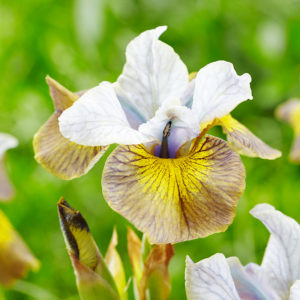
(259, 208)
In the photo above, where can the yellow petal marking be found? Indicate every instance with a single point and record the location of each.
(174, 200)
(55, 153)
(15, 257)
(244, 141)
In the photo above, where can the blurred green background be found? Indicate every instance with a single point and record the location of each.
(82, 42)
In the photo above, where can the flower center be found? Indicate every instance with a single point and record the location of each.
(164, 150)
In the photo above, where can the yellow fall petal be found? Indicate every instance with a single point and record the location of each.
(174, 200)
(156, 278)
(58, 155)
(15, 257)
(115, 265)
(244, 141)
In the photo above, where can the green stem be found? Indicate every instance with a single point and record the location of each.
(33, 290)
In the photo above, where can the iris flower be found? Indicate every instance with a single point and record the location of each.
(277, 278)
(290, 112)
(166, 177)
(15, 257)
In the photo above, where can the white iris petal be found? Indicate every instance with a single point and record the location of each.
(97, 119)
(278, 277)
(152, 90)
(153, 73)
(218, 90)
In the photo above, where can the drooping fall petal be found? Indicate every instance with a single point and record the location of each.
(92, 275)
(15, 257)
(115, 265)
(174, 200)
(244, 141)
(156, 281)
(55, 153)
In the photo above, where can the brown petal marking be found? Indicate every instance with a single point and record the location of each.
(174, 200)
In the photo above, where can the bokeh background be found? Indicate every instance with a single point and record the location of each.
(82, 42)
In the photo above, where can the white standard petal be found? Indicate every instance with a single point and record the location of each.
(210, 279)
(153, 73)
(281, 262)
(97, 119)
(218, 90)
(248, 285)
(295, 291)
(7, 141)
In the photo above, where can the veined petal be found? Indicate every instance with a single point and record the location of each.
(54, 152)
(15, 257)
(295, 291)
(210, 279)
(249, 286)
(153, 73)
(281, 262)
(219, 90)
(97, 119)
(244, 141)
(173, 200)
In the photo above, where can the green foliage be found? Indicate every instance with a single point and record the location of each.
(81, 43)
